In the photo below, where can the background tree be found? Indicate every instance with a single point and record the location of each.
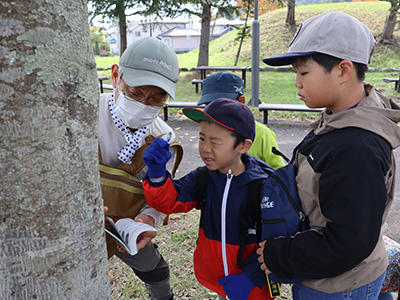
(118, 10)
(247, 10)
(245, 30)
(201, 8)
(290, 16)
(391, 21)
(51, 213)
(98, 38)
(265, 6)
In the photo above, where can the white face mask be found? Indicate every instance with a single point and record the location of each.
(135, 114)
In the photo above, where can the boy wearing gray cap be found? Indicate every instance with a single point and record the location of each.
(128, 121)
(345, 166)
(230, 86)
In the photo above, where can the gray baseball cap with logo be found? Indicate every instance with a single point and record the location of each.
(336, 34)
(149, 61)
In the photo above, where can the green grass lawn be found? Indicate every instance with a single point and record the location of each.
(278, 87)
(275, 87)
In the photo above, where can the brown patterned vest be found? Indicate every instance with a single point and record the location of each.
(122, 192)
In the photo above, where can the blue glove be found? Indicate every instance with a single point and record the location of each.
(237, 286)
(156, 157)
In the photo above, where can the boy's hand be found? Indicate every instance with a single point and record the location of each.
(260, 252)
(237, 286)
(156, 157)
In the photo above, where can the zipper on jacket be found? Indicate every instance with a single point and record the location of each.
(273, 221)
(223, 221)
(302, 217)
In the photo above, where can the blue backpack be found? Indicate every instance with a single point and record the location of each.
(273, 202)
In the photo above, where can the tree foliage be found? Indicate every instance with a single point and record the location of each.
(264, 6)
(118, 10)
(98, 38)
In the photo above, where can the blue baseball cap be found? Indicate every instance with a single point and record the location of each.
(221, 85)
(227, 113)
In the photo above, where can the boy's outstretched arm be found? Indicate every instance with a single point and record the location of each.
(156, 157)
(159, 189)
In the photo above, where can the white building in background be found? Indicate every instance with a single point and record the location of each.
(145, 28)
(222, 26)
(113, 39)
(181, 39)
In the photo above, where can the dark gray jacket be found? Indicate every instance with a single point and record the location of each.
(345, 172)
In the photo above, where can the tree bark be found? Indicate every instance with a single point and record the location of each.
(205, 35)
(290, 17)
(391, 20)
(52, 243)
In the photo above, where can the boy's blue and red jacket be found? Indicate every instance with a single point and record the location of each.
(220, 223)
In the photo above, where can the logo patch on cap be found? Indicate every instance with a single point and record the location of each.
(157, 62)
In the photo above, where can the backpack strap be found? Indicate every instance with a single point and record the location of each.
(277, 152)
(202, 179)
(253, 209)
(303, 219)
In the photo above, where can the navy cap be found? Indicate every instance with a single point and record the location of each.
(221, 85)
(285, 59)
(228, 113)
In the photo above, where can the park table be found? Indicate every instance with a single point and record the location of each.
(203, 70)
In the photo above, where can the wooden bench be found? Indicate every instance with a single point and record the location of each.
(179, 104)
(265, 107)
(108, 87)
(197, 82)
(396, 82)
(101, 79)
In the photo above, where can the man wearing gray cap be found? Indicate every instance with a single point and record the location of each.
(128, 122)
(345, 166)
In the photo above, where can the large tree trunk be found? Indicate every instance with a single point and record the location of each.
(391, 20)
(205, 34)
(52, 243)
(290, 17)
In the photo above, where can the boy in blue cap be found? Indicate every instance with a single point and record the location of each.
(227, 131)
(230, 86)
(345, 167)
